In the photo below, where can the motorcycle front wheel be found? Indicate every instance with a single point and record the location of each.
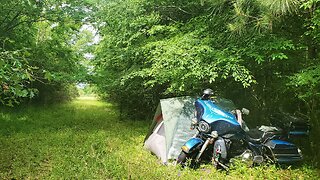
(185, 159)
(219, 154)
(182, 158)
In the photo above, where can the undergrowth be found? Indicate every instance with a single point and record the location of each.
(85, 139)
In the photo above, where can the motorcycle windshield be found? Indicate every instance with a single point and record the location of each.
(225, 104)
(212, 112)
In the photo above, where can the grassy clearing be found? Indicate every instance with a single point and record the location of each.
(85, 140)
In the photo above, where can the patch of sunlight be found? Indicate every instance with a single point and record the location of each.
(84, 101)
(87, 98)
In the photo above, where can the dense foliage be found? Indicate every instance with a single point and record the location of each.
(255, 52)
(153, 49)
(38, 55)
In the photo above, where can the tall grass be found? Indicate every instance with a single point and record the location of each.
(85, 139)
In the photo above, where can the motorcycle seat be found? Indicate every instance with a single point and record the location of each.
(259, 136)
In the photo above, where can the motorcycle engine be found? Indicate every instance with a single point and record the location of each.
(235, 145)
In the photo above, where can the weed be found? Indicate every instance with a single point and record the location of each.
(85, 139)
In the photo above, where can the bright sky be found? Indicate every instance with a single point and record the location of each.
(94, 31)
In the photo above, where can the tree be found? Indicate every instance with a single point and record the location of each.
(37, 47)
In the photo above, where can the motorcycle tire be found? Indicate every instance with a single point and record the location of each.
(219, 154)
(182, 158)
(185, 159)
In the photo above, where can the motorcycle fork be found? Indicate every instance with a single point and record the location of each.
(203, 148)
(196, 134)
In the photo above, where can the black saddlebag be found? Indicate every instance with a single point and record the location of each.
(283, 152)
(298, 128)
(292, 125)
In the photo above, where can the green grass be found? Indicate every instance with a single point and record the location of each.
(85, 139)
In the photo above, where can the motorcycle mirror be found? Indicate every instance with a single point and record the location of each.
(214, 134)
(194, 121)
(245, 111)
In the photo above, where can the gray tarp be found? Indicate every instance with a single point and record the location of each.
(170, 128)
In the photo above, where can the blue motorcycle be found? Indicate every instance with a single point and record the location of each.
(223, 135)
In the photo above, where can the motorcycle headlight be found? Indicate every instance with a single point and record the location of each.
(204, 127)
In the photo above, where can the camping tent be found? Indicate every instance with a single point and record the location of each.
(170, 128)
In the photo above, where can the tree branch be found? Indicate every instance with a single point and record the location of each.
(12, 20)
(176, 7)
(8, 13)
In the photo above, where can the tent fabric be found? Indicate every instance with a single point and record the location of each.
(155, 142)
(170, 128)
